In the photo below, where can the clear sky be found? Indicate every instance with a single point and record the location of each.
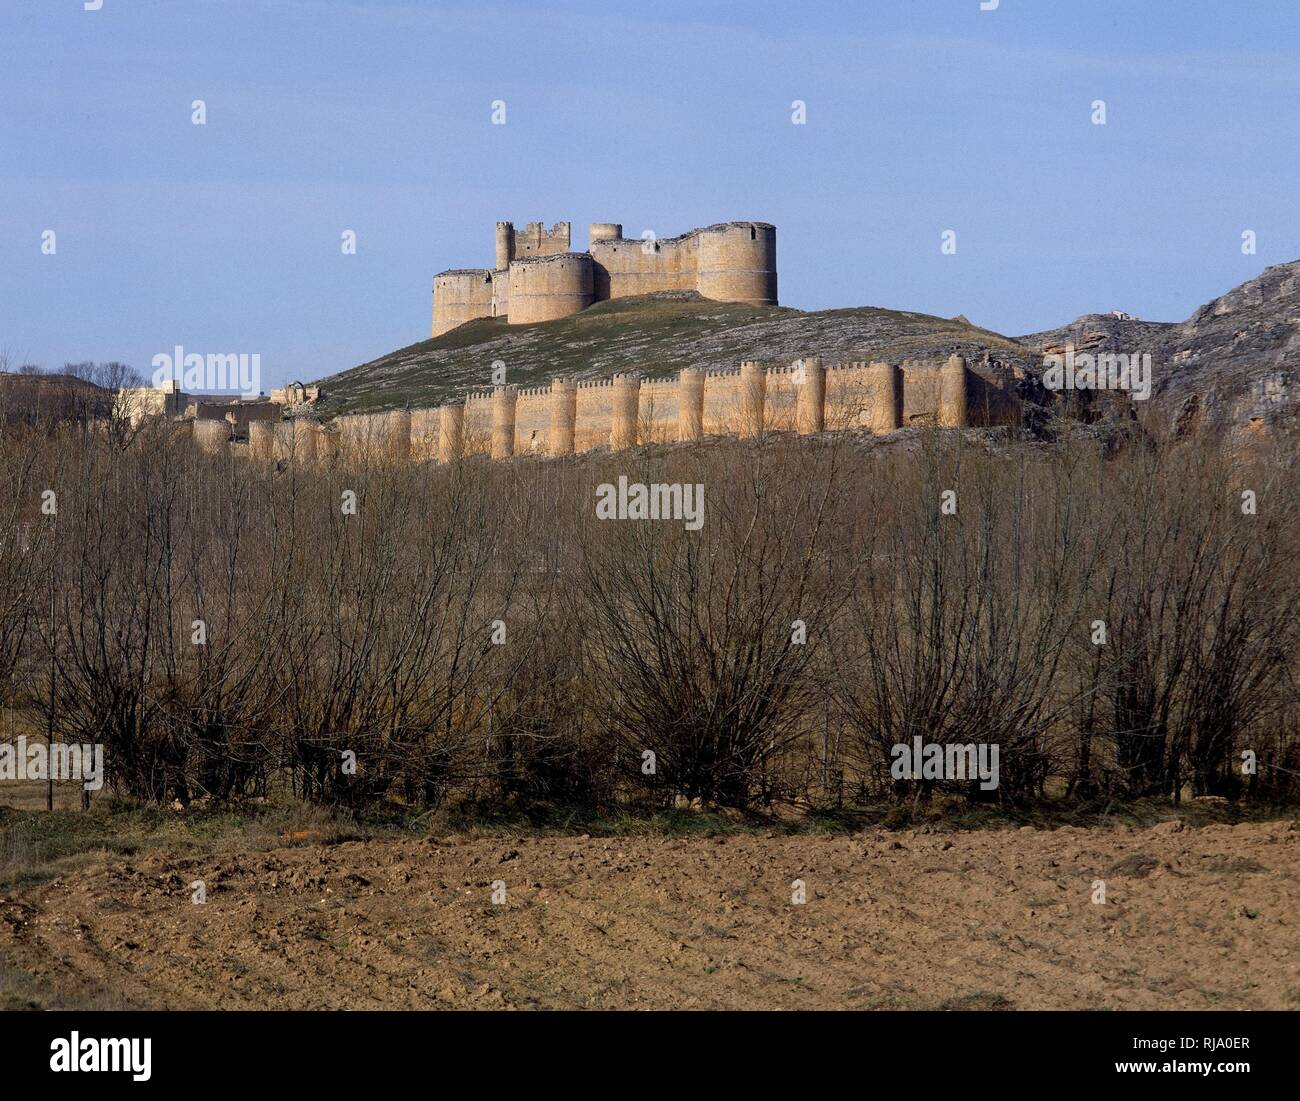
(375, 116)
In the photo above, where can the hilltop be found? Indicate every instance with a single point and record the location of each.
(656, 334)
(1231, 363)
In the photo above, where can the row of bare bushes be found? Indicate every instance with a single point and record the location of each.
(224, 626)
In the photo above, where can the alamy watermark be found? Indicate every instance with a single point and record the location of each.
(657, 501)
(1104, 371)
(196, 373)
(90, 1054)
(940, 761)
(60, 761)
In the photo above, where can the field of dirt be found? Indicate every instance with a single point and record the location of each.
(1194, 918)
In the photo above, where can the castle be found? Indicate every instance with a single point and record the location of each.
(537, 278)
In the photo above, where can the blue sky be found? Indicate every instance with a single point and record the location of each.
(374, 116)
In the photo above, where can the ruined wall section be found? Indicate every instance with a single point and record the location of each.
(532, 242)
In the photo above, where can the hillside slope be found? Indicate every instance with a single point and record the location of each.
(656, 334)
(1232, 363)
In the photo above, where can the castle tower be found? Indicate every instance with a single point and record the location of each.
(952, 394)
(627, 409)
(461, 296)
(551, 287)
(261, 439)
(399, 435)
(690, 404)
(505, 244)
(753, 398)
(451, 432)
(737, 263)
(293, 441)
(504, 399)
(884, 412)
(564, 416)
(604, 231)
(811, 409)
(212, 437)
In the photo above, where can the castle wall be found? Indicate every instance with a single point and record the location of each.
(460, 296)
(625, 268)
(595, 414)
(476, 427)
(722, 413)
(425, 428)
(500, 293)
(782, 411)
(362, 436)
(659, 412)
(212, 436)
(626, 411)
(294, 441)
(532, 420)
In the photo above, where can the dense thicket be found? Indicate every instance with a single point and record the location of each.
(222, 625)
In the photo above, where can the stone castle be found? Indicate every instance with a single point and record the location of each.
(537, 278)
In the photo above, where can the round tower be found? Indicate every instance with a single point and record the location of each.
(884, 411)
(690, 404)
(460, 296)
(564, 416)
(504, 399)
(451, 432)
(952, 393)
(737, 263)
(261, 439)
(811, 410)
(627, 408)
(604, 231)
(286, 442)
(505, 244)
(212, 436)
(550, 287)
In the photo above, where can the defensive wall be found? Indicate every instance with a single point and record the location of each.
(538, 278)
(570, 416)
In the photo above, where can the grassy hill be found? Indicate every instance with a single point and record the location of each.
(657, 334)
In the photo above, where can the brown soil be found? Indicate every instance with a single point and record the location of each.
(1194, 918)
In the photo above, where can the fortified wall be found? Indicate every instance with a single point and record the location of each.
(537, 278)
(570, 416)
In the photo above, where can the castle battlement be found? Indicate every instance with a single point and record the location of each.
(568, 416)
(538, 278)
